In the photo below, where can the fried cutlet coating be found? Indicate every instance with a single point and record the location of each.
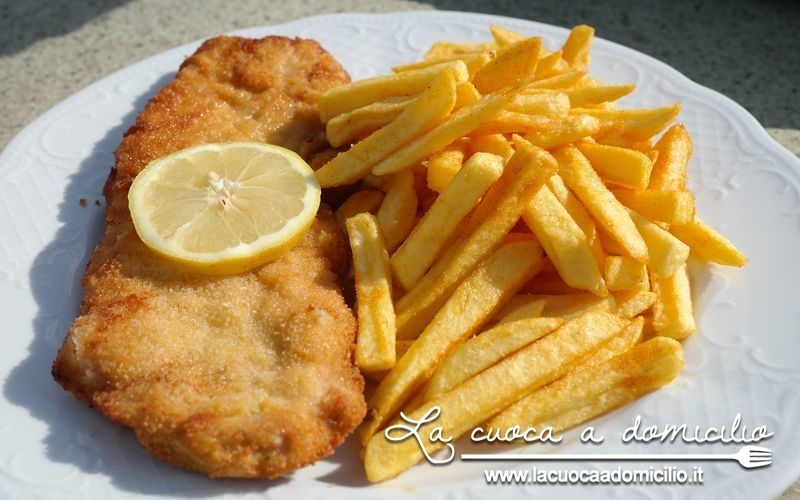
(234, 376)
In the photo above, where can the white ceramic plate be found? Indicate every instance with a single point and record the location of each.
(744, 357)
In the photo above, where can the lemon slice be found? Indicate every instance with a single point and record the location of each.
(224, 208)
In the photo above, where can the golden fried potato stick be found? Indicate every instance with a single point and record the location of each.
(482, 351)
(486, 393)
(564, 242)
(672, 207)
(563, 130)
(469, 307)
(570, 392)
(443, 166)
(504, 36)
(624, 167)
(573, 305)
(375, 344)
(551, 64)
(489, 222)
(636, 124)
(457, 125)
(509, 122)
(672, 310)
(625, 273)
(674, 150)
(519, 308)
(354, 95)
(667, 253)
(579, 214)
(466, 95)
(398, 211)
(654, 364)
(400, 348)
(358, 123)
(585, 96)
(359, 202)
(472, 60)
(514, 63)
(545, 104)
(427, 239)
(582, 180)
(578, 47)
(632, 303)
(616, 375)
(439, 50)
(561, 81)
(495, 144)
(424, 113)
(708, 244)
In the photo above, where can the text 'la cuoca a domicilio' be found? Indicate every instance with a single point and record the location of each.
(431, 437)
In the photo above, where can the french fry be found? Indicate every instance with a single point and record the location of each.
(480, 397)
(489, 222)
(573, 305)
(504, 36)
(674, 150)
(358, 202)
(472, 303)
(578, 46)
(466, 95)
(616, 139)
(583, 96)
(565, 394)
(564, 242)
(514, 63)
(545, 104)
(578, 213)
(398, 211)
(420, 116)
(495, 144)
(637, 124)
(400, 348)
(582, 180)
(621, 166)
(447, 49)
(355, 95)
(429, 236)
(375, 345)
(484, 350)
(594, 388)
(551, 64)
(519, 308)
(625, 273)
(473, 61)
(457, 125)
(672, 207)
(562, 81)
(632, 303)
(559, 131)
(672, 310)
(443, 166)
(509, 122)
(667, 253)
(708, 244)
(353, 125)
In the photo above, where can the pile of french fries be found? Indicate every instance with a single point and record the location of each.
(519, 243)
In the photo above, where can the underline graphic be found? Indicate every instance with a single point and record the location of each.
(749, 457)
